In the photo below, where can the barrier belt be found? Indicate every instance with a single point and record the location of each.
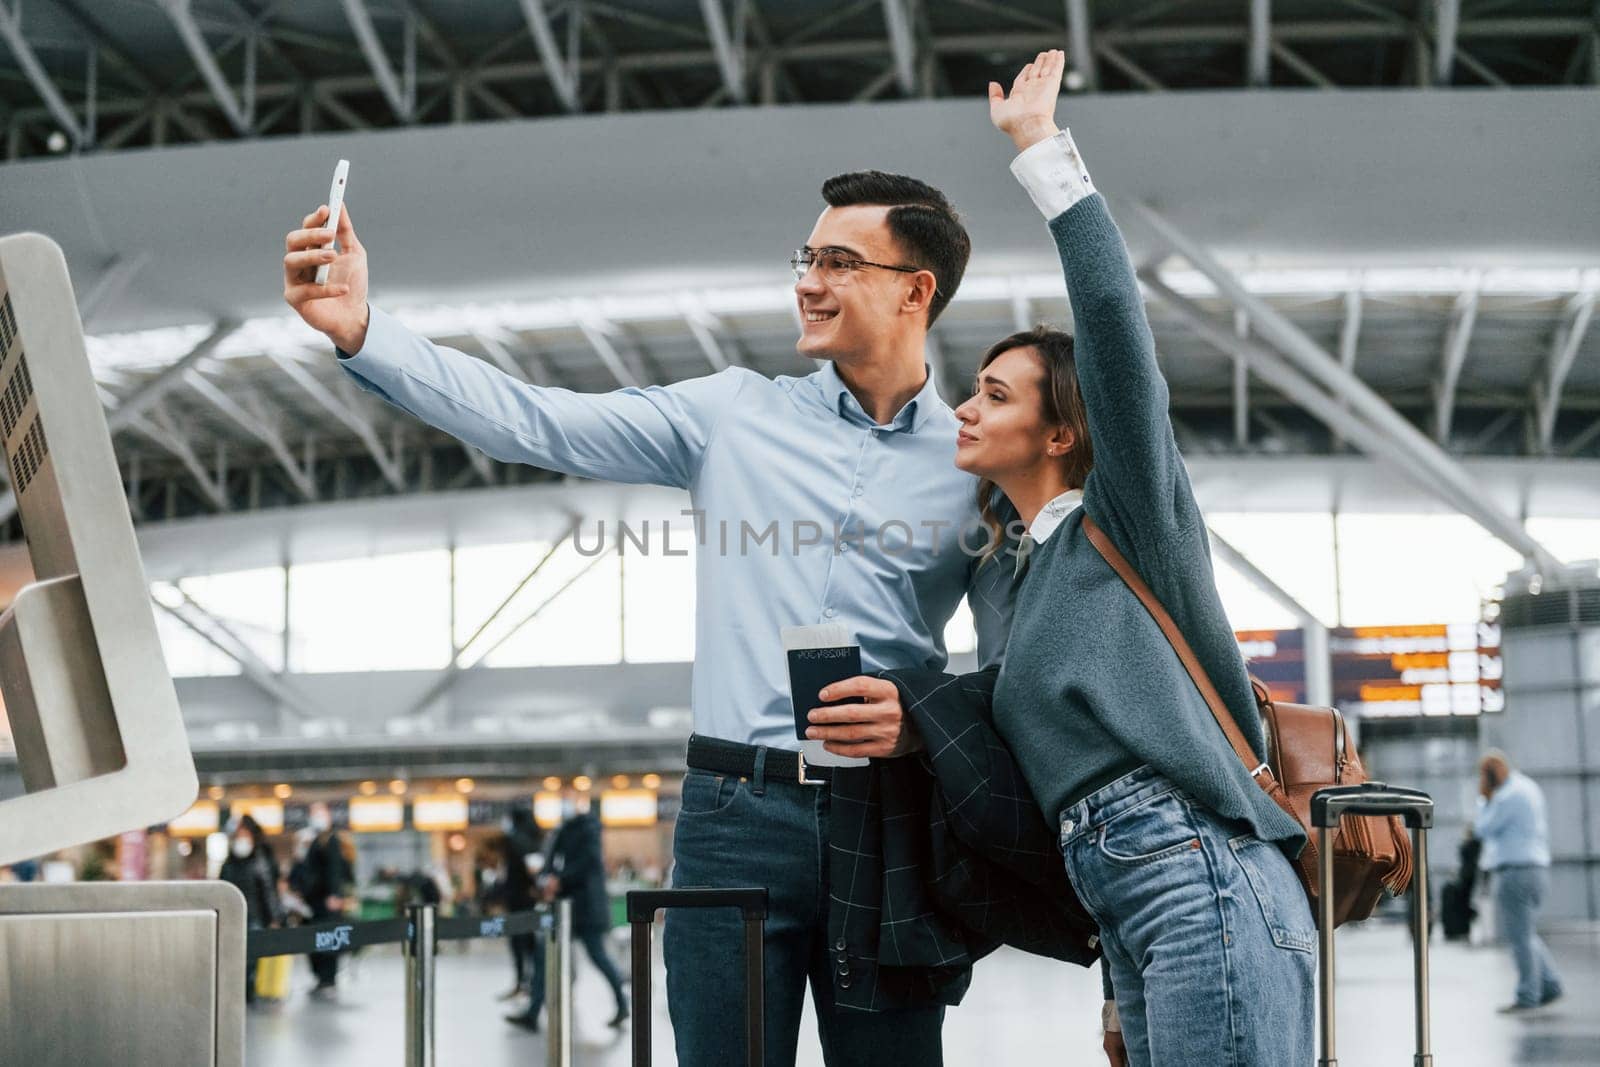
(467, 929)
(348, 936)
(324, 937)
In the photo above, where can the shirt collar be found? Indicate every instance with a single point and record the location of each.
(1051, 515)
(913, 417)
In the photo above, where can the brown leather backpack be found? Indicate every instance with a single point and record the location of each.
(1308, 749)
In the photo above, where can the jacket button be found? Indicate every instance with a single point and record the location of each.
(839, 945)
(844, 983)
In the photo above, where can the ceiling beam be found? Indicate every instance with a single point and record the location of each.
(729, 47)
(239, 115)
(1564, 345)
(1269, 323)
(1295, 62)
(150, 391)
(1349, 344)
(346, 414)
(1241, 385)
(1457, 338)
(1446, 23)
(596, 331)
(1258, 71)
(257, 427)
(159, 428)
(563, 74)
(211, 629)
(1319, 665)
(451, 674)
(402, 98)
(705, 327)
(11, 31)
(1080, 31)
(481, 464)
(902, 44)
(1111, 54)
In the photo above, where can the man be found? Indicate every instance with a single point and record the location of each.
(863, 444)
(1516, 851)
(523, 856)
(323, 879)
(576, 871)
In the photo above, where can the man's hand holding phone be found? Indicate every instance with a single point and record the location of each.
(339, 307)
(876, 727)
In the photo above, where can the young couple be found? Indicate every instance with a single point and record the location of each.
(1179, 857)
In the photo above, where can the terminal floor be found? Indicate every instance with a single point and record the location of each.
(1021, 1010)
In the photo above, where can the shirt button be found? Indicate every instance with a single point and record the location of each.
(844, 546)
(829, 612)
(875, 433)
(860, 491)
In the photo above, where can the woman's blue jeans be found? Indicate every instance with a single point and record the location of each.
(1207, 933)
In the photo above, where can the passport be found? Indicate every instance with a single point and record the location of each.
(819, 656)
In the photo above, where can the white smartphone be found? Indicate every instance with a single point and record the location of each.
(341, 174)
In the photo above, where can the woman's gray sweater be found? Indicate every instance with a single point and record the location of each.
(1090, 688)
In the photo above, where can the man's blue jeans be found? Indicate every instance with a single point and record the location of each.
(1518, 895)
(1206, 931)
(735, 833)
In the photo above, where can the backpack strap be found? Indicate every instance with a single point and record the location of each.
(1191, 663)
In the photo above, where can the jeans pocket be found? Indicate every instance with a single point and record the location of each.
(1278, 893)
(705, 793)
(1156, 829)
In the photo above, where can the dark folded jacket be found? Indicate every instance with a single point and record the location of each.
(936, 860)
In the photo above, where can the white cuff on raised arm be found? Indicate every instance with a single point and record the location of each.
(1053, 173)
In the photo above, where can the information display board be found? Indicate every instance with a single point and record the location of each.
(1388, 671)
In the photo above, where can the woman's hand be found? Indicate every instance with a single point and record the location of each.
(1028, 115)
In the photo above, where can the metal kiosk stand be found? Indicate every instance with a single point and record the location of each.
(135, 974)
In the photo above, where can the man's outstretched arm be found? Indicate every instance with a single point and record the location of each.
(655, 435)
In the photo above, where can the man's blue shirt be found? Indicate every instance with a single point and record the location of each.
(1512, 826)
(806, 511)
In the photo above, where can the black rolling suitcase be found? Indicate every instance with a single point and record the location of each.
(1372, 798)
(642, 907)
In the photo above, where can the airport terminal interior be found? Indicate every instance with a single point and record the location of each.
(245, 591)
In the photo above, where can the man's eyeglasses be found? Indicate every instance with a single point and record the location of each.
(835, 264)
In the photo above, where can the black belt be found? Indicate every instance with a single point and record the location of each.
(732, 757)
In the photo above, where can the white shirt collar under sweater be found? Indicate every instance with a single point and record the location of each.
(1044, 524)
(1051, 515)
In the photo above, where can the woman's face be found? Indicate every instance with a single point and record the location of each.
(1003, 429)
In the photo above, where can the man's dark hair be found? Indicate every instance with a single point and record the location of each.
(921, 219)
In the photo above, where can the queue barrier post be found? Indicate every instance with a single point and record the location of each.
(558, 982)
(420, 949)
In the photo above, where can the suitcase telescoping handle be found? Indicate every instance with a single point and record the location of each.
(752, 904)
(1373, 798)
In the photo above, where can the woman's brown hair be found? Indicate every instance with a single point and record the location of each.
(1062, 404)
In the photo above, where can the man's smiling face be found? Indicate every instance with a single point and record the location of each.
(855, 314)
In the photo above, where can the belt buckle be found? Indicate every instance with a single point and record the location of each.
(800, 758)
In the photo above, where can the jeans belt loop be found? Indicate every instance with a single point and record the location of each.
(758, 780)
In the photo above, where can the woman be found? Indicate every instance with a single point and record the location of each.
(1178, 855)
(248, 870)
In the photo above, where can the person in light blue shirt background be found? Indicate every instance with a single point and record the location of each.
(1512, 826)
(829, 498)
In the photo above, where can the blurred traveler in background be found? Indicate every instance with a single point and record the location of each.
(1516, 854)
(523, 857)
(576, 872)
(324, 880)
(248, 870)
